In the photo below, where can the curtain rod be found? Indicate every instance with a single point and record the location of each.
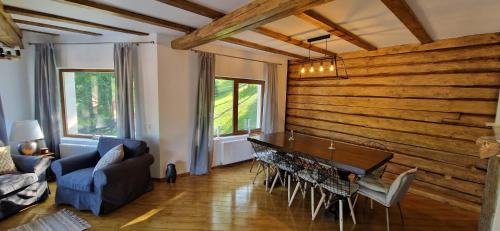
(236, 57)
(83, 43)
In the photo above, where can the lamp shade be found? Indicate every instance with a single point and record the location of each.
(26, 130)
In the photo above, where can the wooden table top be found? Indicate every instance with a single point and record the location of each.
(356, 159)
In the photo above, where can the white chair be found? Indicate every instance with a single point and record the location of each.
(288, 165)
(376, 190)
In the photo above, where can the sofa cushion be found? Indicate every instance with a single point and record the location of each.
(6, 163)
(131, 148)
(113, 156)
(12, 182)
(80, 180)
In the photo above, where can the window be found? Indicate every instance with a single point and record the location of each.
(238, 105)
(88, 102)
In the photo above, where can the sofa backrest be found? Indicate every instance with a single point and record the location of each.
(132, 148)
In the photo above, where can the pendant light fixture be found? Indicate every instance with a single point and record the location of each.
(334, 61)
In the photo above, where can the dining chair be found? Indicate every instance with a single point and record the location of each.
(337, 184)
(308, 175)
(376, 174)
(287, 165)
(264, 156)
(388, 195)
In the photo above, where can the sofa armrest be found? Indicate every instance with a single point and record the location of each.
(31, 164)
(72, 163)
(124, 172)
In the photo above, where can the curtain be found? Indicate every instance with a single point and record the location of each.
(270, 111)
(126, 66)
(47, 95)
(200, 157)
(3, 126)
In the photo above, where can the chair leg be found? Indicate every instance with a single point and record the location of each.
(401, 214)
(312, 202)
(253, 162)
(351, 207)
(371, 204)
(304, 191)
(355, 200)
(341, 215)
(289, 186)
(320, 203)
(257, 173)
(294, 193)
(274, 181)
(387, 217)
(267, 177)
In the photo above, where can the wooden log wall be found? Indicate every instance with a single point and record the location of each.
(426, 103)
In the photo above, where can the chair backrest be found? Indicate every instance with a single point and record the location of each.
(400, 186)
(132, 148)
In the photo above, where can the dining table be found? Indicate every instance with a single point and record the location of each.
(356, 159)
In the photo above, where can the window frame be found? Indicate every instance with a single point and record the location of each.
(63, 102)
(236, 82)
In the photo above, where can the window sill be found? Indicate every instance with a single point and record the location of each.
(82, 141)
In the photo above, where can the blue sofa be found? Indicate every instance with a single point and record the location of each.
(25, 187)
(110, 187)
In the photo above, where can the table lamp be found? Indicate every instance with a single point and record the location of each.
(27, 132)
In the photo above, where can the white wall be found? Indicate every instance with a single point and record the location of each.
(17, 82)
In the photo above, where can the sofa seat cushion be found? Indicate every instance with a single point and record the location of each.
(12, 182)
(80, 180)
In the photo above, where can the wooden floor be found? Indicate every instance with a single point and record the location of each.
(227, 200)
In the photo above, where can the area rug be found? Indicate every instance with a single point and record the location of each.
(64, 220)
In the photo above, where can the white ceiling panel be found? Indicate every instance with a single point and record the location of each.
(224, 6)
(455, 18)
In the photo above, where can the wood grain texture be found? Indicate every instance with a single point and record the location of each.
(252, 15)
(227, 200)
(10, 34)
(131, 15)
(406, 15)
(194, 8)
(57, 18)
(427, 103)
(331, 27)
(38, 24)
(261, 47)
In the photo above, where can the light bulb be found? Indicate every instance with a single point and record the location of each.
(331, 67)
(303, 70)
(321, 69)
(311, 69)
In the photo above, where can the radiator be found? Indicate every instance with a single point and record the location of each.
(228, 151)
(75, 149)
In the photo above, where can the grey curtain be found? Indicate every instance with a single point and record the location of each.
(200, 157)
(126, 67)
(47, 95)
(270, 111)
(3, 126)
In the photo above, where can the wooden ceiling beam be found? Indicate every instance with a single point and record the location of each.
(208, 12)
(132, 15)
(38, 24)
(261, 47)
(290, 40)
(334, 29)
(250, 16)
(57, 18)
(10, 34)
(194, 8)
(40, 32)
(406, 15)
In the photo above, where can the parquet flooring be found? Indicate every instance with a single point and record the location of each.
(227, 200)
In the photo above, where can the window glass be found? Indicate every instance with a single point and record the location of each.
(249, 106)
(223, 107)
(89, 103)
